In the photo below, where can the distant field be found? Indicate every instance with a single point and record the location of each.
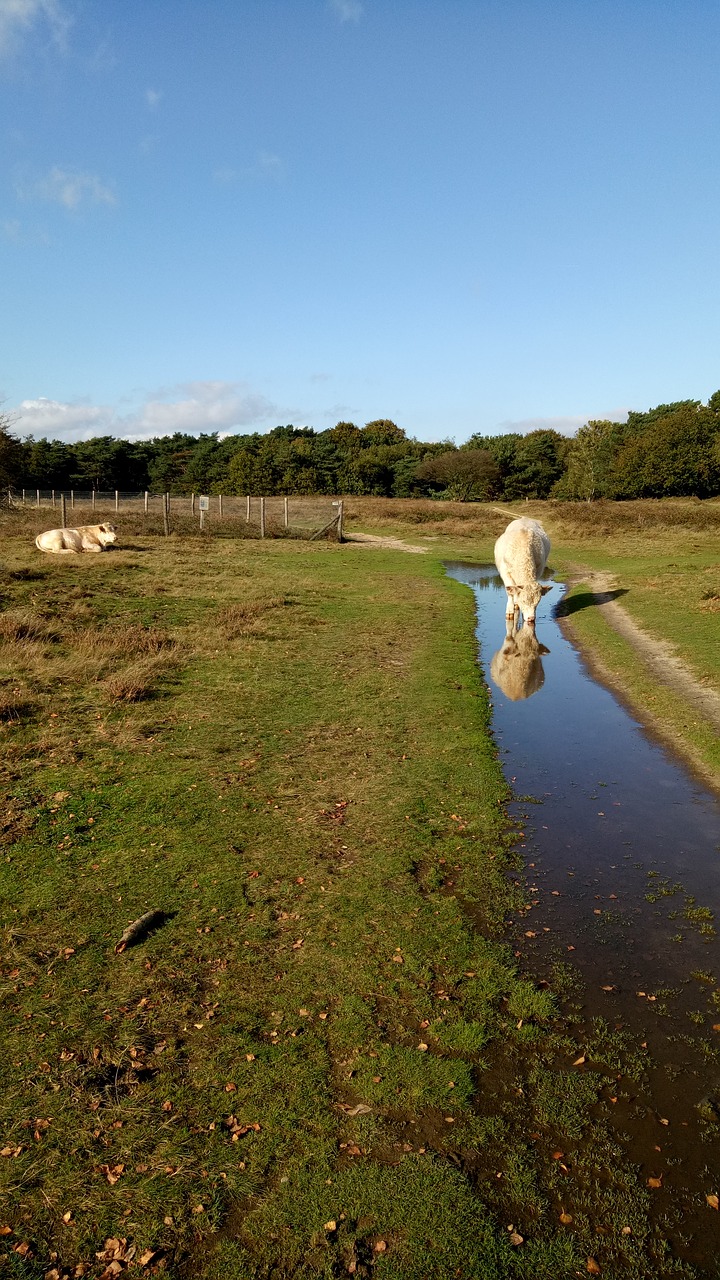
(322, 1061)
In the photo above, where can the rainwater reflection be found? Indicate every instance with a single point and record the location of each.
(622, 875)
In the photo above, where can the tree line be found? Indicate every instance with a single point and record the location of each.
(670, 451)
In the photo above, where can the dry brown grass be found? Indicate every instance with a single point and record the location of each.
(138, 681)
(241, 619)
(568, 519)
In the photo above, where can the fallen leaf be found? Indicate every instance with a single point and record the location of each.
(579, 1061)
(67, 1217)
(713, 1202)
(565, 1218)
(593, 1267)
(146, 1257)
(654, 1182)
(380, 1246)
(5, 1231)
(516, 1238)
(330, 1226)
(422, 1047)
(230, 1087)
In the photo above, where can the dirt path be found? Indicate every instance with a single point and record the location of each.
(659, 657)
(392, 544)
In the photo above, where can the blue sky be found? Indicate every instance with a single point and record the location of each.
(464, 215)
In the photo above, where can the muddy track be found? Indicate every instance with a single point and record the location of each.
(391, 544)
(659, 658)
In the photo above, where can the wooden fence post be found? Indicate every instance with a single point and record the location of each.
(72, 499)
(192, 505)
(340, 521)
(23, 497)
(286, 513)
(93, 499)
(52, 491)
(37, 497)
(63, 512)
(117, 500)
(166, 513)
(146, 501)
(262, 517)
(247, 509)
(220, 504)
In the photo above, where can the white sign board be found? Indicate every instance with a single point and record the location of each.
(203, 504)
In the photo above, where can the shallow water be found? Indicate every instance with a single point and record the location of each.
(622, 856)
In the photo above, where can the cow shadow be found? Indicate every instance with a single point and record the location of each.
(517, 667)
(586, 600)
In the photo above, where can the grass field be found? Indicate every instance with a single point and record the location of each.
(314, 1064)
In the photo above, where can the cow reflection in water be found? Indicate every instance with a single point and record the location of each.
(517, 668)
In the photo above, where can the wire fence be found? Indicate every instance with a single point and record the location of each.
(304, 514)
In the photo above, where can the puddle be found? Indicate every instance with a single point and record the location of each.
(622, 855)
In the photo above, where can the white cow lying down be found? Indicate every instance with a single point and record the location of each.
(87, 537)
(521, 554)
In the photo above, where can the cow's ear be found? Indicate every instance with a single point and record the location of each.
(546, 589)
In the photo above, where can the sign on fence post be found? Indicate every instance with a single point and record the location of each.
(204, 505)
(339, 506)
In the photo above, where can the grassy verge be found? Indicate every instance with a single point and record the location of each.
(313, 1064)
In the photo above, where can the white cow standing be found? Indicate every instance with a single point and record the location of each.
(521, 553)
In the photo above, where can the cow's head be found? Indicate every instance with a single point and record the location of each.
(106, 534)
(528, 598)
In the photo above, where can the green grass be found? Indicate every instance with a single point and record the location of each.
(284, 748)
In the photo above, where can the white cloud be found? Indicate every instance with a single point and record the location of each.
(24, 237)
(152, 97)
(566, 426)
(67, 188)
(192, 407)
(58, 421)
(267, 168)
(204, 406)
(18, 18)
(347, 10)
